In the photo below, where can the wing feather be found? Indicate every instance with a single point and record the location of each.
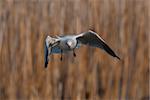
(93, 39)
(45, 55)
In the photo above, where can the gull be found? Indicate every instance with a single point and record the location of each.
(63, 44)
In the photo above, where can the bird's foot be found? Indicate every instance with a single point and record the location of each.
(74, 54)
(61, 58)
(61, 55)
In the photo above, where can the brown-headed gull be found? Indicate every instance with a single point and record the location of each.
(62, 44)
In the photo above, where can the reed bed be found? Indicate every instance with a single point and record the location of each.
(93, 74)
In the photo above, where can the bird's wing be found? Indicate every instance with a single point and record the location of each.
(93, 39)
(49, 45)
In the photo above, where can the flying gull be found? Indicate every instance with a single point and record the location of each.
(63, 44)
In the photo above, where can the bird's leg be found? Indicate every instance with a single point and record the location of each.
(61, 55)
(74, 54)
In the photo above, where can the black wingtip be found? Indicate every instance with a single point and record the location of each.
(118, 57)
(45, 56)
(46, 63)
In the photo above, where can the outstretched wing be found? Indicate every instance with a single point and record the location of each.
(93, 39)
(49, 44)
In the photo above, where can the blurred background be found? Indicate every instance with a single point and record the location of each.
(93, 74)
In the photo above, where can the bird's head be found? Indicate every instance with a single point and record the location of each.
(71, 44)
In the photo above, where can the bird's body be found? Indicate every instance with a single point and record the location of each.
(67, 43)
(71, 42)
